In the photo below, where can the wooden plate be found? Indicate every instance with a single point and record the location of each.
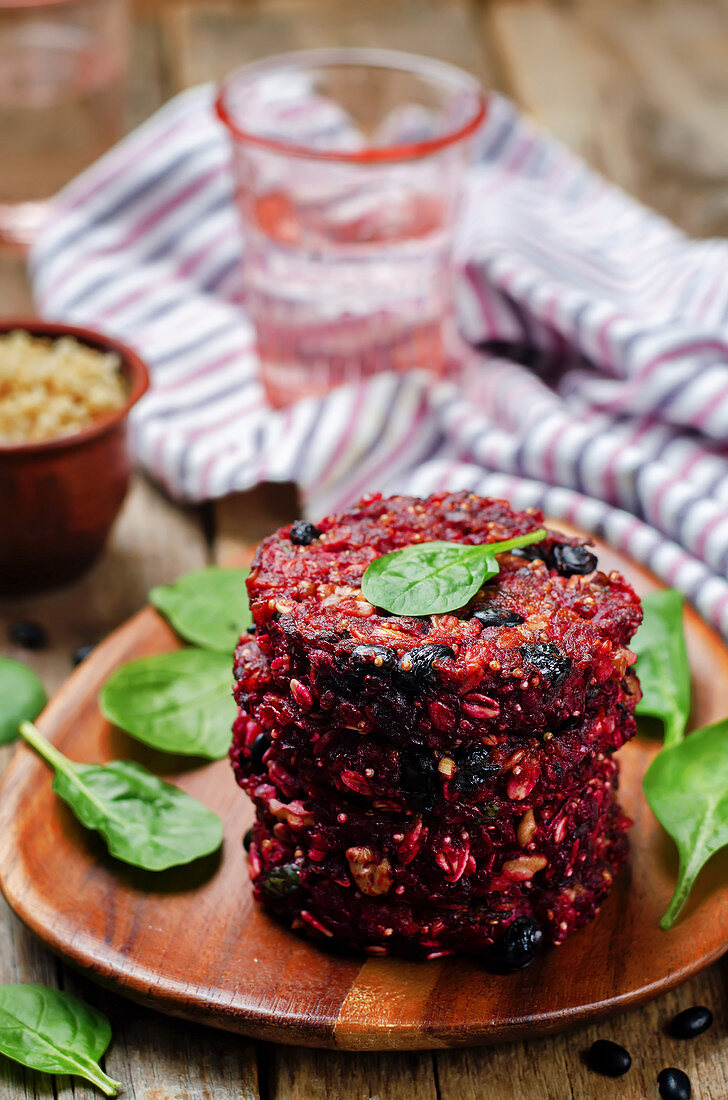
(191, 942)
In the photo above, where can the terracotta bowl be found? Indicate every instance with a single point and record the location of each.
(59, 497)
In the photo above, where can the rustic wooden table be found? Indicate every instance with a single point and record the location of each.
(639, 87)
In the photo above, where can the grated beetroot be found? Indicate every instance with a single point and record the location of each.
(500, 765)
(425, 785)
(315, 626)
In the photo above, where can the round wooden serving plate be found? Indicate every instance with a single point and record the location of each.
(191, 942)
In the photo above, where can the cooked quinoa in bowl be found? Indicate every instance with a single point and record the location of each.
(54, 387)
(432, 784)
(66, 393)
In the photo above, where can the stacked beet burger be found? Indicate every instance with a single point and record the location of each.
(436, 783)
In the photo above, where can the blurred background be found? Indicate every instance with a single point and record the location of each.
(638, 87)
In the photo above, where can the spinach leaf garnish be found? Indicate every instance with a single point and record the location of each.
(177, 702)
(144, 821)
(686, 786)
(49, 1030)
(22, 697)
(662, 663)
(431, 578)
(208, 607)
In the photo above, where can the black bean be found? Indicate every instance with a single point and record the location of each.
(573, 559)
(608, 1058)
(286, 624)
(473, 768)
(418, 780)
(374, 658)
(364, 660)
(691, 1022)
(303, 533)
(488, 615)
(548, 660)
(529, 553)
(81, 654)
(258, 750)
(417, 665)
(248, 839)
(28, 634)
(282, 882)
(674, 1084)
(519, 946)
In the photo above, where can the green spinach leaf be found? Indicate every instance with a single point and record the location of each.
(48, 1030)
(208, 607)
(662, 663)
(431, 578)
(144, 821)
(686, 786)
(178, 702)
(22, 697)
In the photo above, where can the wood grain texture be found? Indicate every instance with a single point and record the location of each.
(193, 943)
(638, 87)
(555, 1068)
(205, 41)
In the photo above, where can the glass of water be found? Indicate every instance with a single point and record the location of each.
(62, 73)
(349, 168)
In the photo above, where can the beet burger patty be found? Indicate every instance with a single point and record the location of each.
(497, 719)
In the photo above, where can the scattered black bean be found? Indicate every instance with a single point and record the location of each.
(417, 665)
(573, 559)
(374, 658)
(548, 660)
(418, 780)
(674, 1084)
(691, 1022)
(81, 654)
(473, 768)
(282, 882)
(258, 750)
(519, 946)
(248, 839)
(608, 1058)
(303, 533)
(488, 615)
(28, 634)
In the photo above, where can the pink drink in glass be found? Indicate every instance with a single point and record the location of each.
(349, 169)
(62, 72)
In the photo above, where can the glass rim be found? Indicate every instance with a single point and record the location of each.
(361, 57)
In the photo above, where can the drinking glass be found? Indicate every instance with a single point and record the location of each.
(349, 168)
(62, 69)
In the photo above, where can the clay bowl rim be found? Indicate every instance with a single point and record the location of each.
(137, 370)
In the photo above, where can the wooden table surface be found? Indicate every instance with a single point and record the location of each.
(640, 88)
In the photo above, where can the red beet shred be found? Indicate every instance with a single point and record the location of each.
(430, 785)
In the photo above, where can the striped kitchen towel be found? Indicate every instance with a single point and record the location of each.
(601, 387)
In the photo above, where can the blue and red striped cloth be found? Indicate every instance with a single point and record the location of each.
(601, 387)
